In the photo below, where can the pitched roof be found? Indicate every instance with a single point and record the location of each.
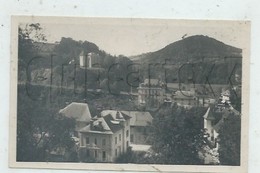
(226, 113)
(219, 125)
(184, 95)
(108, 123)
(208, 115)
(114, 127)
(139, 118)
(120, 115)
(77, 111)
(82, 53)
(99, 126)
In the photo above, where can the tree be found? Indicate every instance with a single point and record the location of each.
(40, 129)
(27, 36)
(178, 135)
(229, 140)
(235, 98)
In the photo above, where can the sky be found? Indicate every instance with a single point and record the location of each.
(136, 36)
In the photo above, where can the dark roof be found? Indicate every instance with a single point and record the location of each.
(113, 127)
(209, 115)
(219, 124)
(104, 125)
(226, 113)
(116, 114)
(100, 126)
(126, 117)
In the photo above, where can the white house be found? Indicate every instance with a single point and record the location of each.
(106, 137)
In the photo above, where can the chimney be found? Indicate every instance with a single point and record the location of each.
(118, 115)
(91, 124)
(100, 123)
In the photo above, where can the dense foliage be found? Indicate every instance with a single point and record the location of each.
(40, 130)
(229, 141)
(178, 135)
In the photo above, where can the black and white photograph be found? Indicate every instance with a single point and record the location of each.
(129, 91)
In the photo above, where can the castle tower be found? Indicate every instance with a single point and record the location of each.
(89, 58)
(82, 59)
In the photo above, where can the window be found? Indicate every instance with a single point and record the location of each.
(115, 152)
(131, 138)
(96, 154)
(115, 140)
(119, 137)
(87, 140)
(127, 133)
(127, 143)
(96, 141)
(104, 155)
(75, 134)
(81, 141)
(127, 123)
(144, 130)
(104, 142)
(119, 150)
(87, 152)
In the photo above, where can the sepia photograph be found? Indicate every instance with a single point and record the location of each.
(129, 92)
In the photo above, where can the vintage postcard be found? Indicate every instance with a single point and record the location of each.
(129, 94)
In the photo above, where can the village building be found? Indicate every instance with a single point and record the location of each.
(140, 127)
(209, 126)
(106, 137)
(151, 93)
(213, 123)
(214, 119)
(208, 95)
(79, 112)
(205, 101)
(185, 99)
(189, 95)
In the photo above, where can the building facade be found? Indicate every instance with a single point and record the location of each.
(185, 99)
(106, 137)
(140, 125)
(151, 93)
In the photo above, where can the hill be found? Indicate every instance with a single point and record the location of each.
(191, 60)
(191, 49)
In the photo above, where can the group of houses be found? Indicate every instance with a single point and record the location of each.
(216, 98)
(154, 92)
(109, 134)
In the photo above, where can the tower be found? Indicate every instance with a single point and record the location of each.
(82, 59)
